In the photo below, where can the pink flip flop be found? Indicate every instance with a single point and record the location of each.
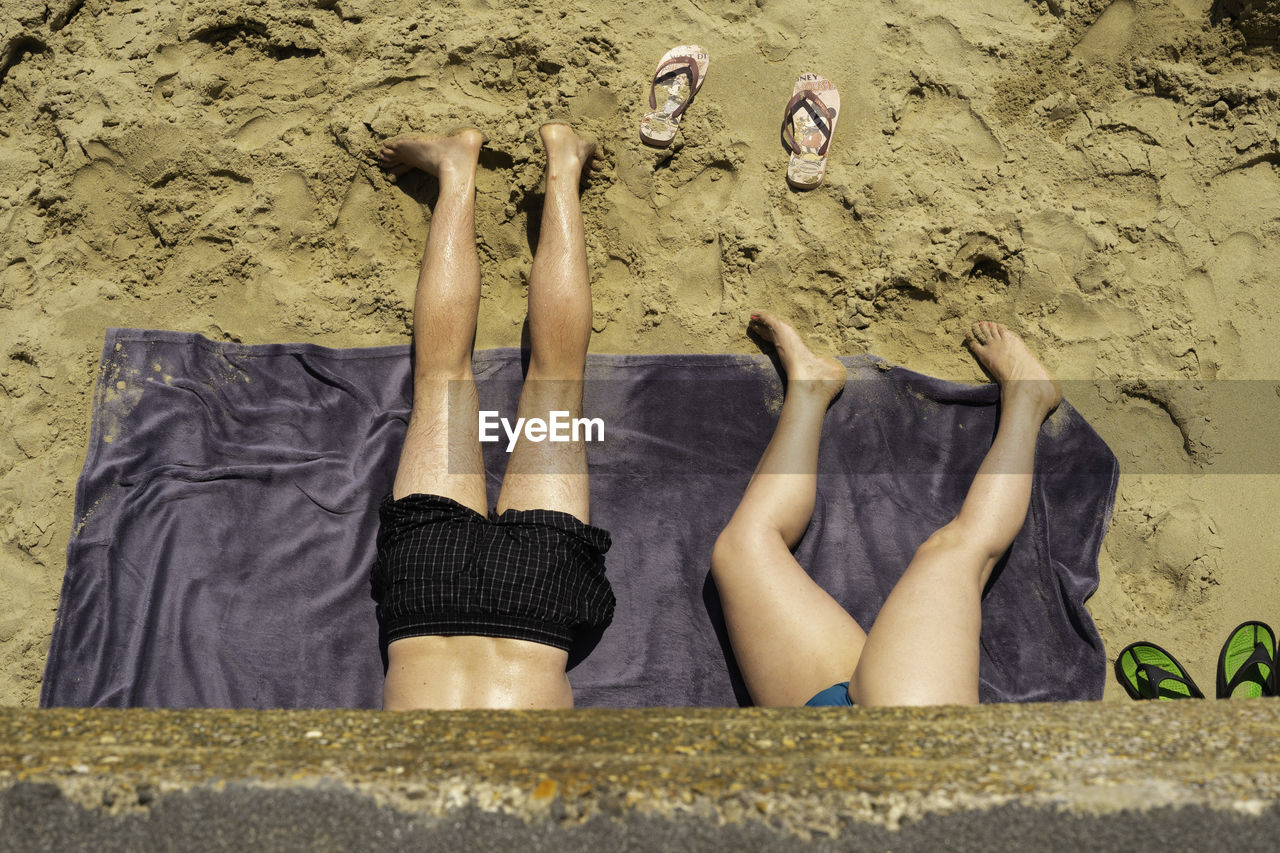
(808, 124)
(680, 74)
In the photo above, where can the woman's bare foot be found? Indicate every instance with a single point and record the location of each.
(805, 369)
(1018, 372)
(568, 153)
(437, 155)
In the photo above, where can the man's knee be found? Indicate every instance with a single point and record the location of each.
(556, 367)
(441, 370)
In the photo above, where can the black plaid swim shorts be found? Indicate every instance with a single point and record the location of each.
(445, 569)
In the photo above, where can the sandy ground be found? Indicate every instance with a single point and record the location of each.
(1102, 177)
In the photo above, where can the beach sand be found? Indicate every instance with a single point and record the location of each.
(1100, 176)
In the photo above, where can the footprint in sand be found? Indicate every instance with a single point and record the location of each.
(950, 53)
(1244, 199)
(106, 195)
(1108, 37)
(292, 204)
(263, 131)
(358, 218)
(937, 120)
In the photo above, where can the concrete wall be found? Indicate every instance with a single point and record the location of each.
(1188, 775)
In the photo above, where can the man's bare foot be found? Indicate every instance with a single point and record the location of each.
(806, 371)
(1014, 367)
(568, 153)
(438, 155)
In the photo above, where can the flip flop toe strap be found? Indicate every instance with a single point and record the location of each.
(799, 100)
(1157, 675)
(1261, 656)
(675, 65)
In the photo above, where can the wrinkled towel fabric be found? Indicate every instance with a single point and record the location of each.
(226, 515)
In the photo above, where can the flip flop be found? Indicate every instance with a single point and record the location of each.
(680, 74)
(808, 123)
(1147, 671)
(1247, 664)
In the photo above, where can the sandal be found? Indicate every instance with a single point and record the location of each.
(1247, 663)
(808, 123)
(1147, 671)
(681, 72)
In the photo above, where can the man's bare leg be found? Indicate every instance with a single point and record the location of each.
(553, 475)
(923, 647)
(791, 639)
(437, 459)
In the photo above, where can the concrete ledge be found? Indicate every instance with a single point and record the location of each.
(1137, 775)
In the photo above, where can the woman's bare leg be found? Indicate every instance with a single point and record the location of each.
(923, 647)
(545, 474)
(441, 454)
(791, 639)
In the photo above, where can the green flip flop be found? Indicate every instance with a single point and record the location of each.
(1247, 664)
(1147, 671)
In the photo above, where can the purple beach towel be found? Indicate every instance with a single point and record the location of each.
(226, 515)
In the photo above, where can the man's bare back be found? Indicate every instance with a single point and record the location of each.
(475, 672)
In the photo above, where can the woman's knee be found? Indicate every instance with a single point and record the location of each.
(736, 544)
(954, 547)
(946, 538)
(951, 542)
(727, 549)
